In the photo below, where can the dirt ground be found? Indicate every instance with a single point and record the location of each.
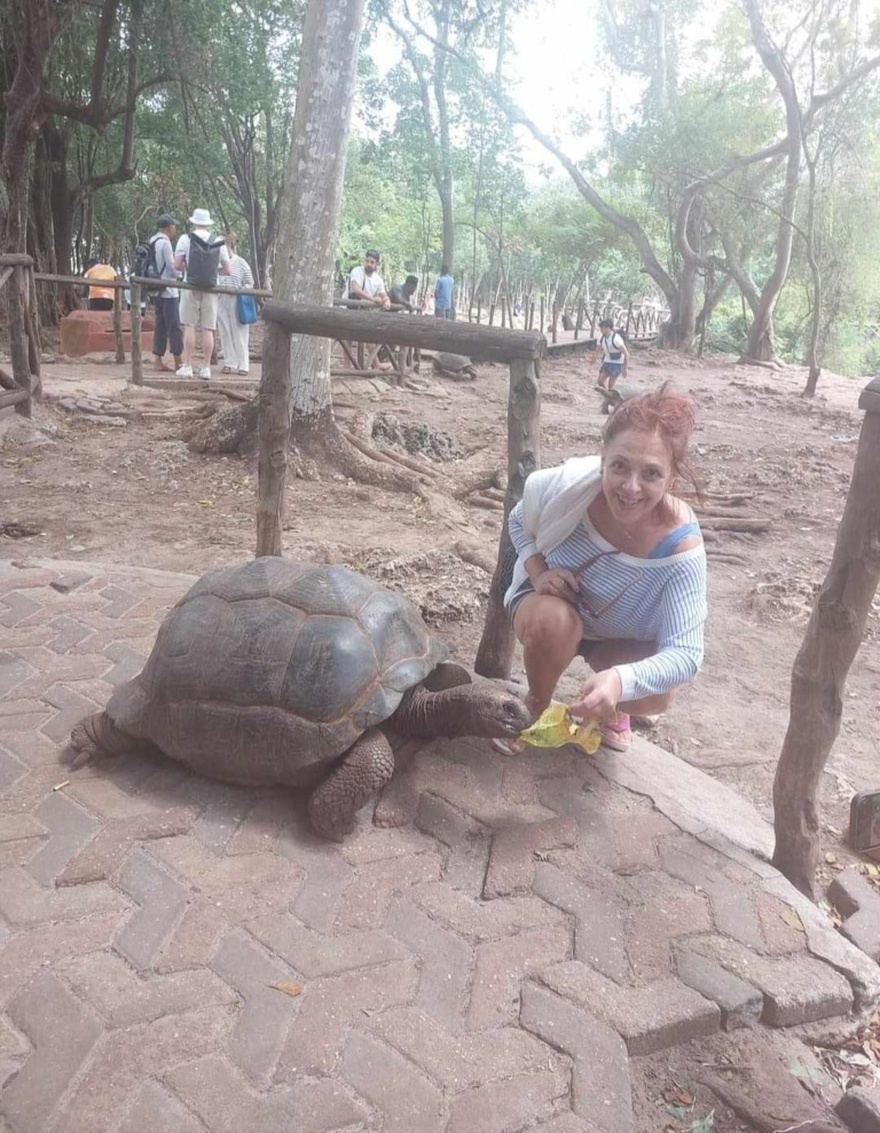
(135, 494)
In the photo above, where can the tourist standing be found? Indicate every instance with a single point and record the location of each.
(443, 294)
(203, 257)
(167, 333)
(234, 334)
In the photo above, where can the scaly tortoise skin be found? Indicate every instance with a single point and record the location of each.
(278, 673)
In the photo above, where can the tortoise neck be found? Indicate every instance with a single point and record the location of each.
(451, 712)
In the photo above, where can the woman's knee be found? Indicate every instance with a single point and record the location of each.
(543, 621)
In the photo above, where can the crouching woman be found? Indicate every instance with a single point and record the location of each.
(611, 566)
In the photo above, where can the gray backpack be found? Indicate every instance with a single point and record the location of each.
(203, 260)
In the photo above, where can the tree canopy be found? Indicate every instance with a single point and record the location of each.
(725, 166)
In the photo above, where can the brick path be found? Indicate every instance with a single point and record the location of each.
(494, 964)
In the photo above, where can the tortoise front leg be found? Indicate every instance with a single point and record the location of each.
(365, 768)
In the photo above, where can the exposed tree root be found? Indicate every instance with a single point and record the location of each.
(745, 1109)
(476, 556)
(766, 363)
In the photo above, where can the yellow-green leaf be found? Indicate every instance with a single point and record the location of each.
(555, 727)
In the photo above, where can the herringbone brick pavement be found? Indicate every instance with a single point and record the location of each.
(489, 957)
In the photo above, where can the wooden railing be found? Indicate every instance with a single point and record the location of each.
(19, 388)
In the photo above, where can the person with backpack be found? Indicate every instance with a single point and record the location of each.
(202, 257)
(160, 265)
(615, 356)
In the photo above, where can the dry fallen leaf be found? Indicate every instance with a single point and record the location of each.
(830, 858)
(206, 503)
(289, 987)
(678, 1095)
(790, 917)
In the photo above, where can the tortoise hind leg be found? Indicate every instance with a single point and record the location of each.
(365, 768)
(97, 737)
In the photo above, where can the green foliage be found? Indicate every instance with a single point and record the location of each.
(214, 105)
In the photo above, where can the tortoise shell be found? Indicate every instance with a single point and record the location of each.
(264, 671)
(452, 361)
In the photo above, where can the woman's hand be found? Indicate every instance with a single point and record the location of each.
(598, 697)
(557, 583)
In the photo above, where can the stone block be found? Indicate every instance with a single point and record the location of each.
(262, 1025)
(445, 962)
(740, 1004)
(163, 901)
(599, 924)
(601, 1090)
(859, 903)
(796, 989)
(408, 1100)
(860, 1110)
(511, 859)
(63, 1031)
(648, 1018)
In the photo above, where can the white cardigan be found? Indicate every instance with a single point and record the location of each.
(554, 502)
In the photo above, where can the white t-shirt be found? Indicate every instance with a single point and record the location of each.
(371, 285)
(612, 344)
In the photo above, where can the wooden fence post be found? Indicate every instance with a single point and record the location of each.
(137, 366)
(831, 641)
(555, 319)
(117, 325)
(495, 653)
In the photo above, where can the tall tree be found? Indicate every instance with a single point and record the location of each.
(296, 372)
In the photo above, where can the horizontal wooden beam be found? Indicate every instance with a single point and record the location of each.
(483, 344)
(161, 284)
(113, 284)
(16, 260)
(13, 397)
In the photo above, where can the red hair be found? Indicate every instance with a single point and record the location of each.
(664, 411)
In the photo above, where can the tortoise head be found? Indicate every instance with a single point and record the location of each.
(497, 712)
(480, 709)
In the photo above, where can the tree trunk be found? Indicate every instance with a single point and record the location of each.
(495, 653)
(813, 361)
(40, 27)
(760, 342)
(299, 378)
(832, 639)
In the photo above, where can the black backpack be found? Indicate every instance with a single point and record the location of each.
(203, 260)
(145, 261)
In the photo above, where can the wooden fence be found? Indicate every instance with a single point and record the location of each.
(19, 388)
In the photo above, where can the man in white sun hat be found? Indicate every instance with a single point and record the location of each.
(201, 256)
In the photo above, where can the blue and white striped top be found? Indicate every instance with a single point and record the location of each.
(661, 599)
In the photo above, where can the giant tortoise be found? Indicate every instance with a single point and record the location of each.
(295, 674)
(457, 366)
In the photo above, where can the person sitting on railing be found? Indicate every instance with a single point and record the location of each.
(401, 293)
(366, 284)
